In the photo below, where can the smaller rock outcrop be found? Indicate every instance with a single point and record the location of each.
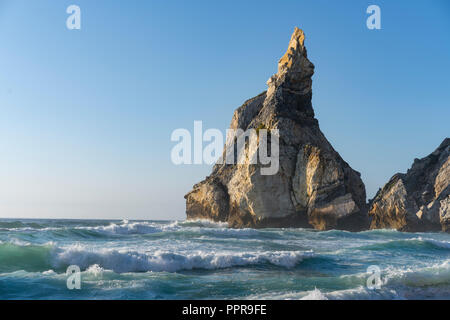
(418, 200)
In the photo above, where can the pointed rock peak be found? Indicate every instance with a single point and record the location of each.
(294, 68)
(295, 50)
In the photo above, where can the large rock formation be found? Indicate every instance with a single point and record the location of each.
(418, 200)
(314, 186)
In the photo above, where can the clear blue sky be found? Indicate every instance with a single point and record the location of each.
(86, 116)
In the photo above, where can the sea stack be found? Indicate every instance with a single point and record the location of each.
(418, 200)
(314, 187)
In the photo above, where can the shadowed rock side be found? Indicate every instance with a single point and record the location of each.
(314, 186)
(418, 200)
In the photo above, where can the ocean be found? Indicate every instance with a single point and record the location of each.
(204, 260)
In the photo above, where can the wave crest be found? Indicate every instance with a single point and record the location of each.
(164, 261)
(41, 258)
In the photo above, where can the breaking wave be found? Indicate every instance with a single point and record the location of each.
(183, 259)
(41, 258)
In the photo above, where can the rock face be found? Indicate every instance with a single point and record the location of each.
(314, 186)
(418, 200)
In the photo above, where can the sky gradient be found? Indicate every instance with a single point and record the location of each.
(86, 115)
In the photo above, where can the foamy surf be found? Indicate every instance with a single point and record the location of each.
(165, 261)
(206, 260)
(431, 282)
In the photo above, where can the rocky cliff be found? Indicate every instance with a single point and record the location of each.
(314, 186)
(418, 200)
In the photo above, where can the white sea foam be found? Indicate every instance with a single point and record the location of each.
(361, 293)
(412, 276)
(233, 232)
(435, 274)
(203, 223)
(18, 242)
(431, 282)
(133, 261)
(413, 266)
(316, 294)
(95, 270)
(127, 228)
(389, 293)
(143, 227)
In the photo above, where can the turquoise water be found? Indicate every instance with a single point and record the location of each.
(202, 260)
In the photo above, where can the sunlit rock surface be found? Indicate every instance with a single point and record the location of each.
(418, 200)
(314, 186)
